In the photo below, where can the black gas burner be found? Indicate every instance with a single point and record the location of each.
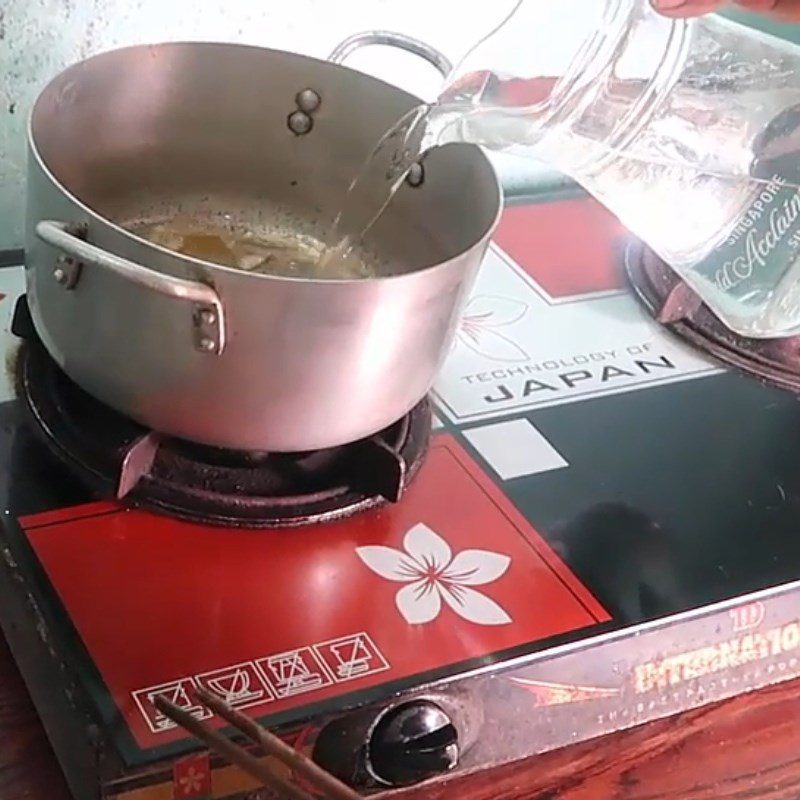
(676, 306)
(206, 484)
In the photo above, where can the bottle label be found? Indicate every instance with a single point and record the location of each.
(748, 266)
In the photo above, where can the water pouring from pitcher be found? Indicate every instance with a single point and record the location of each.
(688, 129)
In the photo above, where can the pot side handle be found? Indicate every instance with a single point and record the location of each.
(207, 314)
(391, 39)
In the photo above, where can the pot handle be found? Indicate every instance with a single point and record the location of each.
(391, 39)
(208, 318)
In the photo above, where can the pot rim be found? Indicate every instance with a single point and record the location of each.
(191, 261)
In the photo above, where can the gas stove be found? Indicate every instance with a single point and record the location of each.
(598, 531)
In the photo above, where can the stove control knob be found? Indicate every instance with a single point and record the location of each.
(412, 743)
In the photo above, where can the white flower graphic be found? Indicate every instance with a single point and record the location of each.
(483, 315)
(433, 574)
(191, 782)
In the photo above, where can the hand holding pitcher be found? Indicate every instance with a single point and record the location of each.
(782, 9)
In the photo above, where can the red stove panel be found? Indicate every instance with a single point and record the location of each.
(580, 230)
(278, 619)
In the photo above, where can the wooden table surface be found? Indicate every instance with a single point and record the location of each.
(742, 749)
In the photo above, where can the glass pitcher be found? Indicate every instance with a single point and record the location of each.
(688, 130)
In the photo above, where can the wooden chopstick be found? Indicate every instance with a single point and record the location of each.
(230, 751)
(329, 785)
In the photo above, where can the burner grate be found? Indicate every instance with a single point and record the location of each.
(205, 484)
(673, 304)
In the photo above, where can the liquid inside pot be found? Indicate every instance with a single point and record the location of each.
(263, 250)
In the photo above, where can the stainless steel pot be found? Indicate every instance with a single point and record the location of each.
(212, 354)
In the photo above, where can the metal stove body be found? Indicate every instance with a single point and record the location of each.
(603, 532)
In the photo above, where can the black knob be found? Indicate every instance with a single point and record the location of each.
(412, 743)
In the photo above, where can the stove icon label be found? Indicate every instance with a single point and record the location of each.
(179, 692)
(240, 686)
(351, 657)
(294, 672)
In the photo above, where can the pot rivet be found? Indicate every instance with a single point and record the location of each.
(308, 100)
(206, 344)
(60, 275)
(416, 175)
(300, 123)
(208, 317)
